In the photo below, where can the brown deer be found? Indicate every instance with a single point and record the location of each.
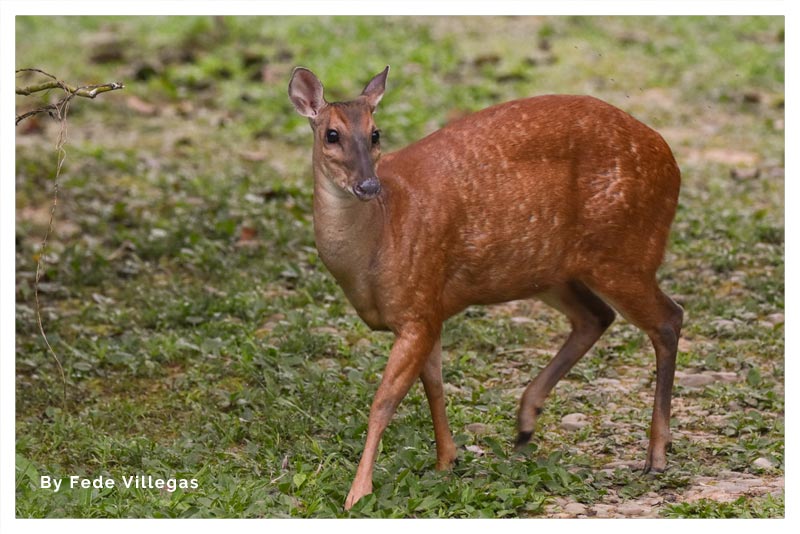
(563, 198)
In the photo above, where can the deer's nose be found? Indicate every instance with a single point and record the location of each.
(368, 189)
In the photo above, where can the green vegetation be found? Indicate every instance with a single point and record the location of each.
(202, 337)
(740, 508)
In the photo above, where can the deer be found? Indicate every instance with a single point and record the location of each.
(562, 198)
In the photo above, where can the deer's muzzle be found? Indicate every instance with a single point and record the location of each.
(368, 189)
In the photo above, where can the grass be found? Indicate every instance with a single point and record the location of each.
(193, 353)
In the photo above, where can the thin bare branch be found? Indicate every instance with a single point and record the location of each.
(54, 110)
(59, 112)
(86, 91)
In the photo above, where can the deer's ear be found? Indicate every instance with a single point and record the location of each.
(305, 92)
(375, 88)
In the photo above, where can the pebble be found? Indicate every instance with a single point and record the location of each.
(610, 385)
(697, 380)
(726, 474)
(724, 376)
(363, 344)
(574, 421)
(735, 487)
(723, 323)
(455, 391)
(326, 330)
(633, 465)
(575, 508)
(776, 318)
(633, 509)
(763, 463)
(476, 449)
(608, 423)
(693, 381)
(718, 421)
(603, 510)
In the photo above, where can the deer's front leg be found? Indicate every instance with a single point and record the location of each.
(434, 389)
(409, 354)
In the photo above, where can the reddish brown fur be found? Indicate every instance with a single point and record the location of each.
(519, 228)
(564, 198)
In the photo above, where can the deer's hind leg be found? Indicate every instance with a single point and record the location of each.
(590, 317)
(642, 302)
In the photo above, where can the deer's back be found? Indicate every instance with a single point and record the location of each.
(532, 191)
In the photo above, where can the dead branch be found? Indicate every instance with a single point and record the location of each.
(58, 111)
(86, 91)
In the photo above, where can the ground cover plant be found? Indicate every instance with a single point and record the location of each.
(202, 338)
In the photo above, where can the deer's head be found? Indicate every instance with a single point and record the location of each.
(346, 140)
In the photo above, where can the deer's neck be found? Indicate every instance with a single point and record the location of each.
(347, 233)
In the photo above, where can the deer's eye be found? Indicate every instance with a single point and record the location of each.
(332, 136)
(376, 137)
